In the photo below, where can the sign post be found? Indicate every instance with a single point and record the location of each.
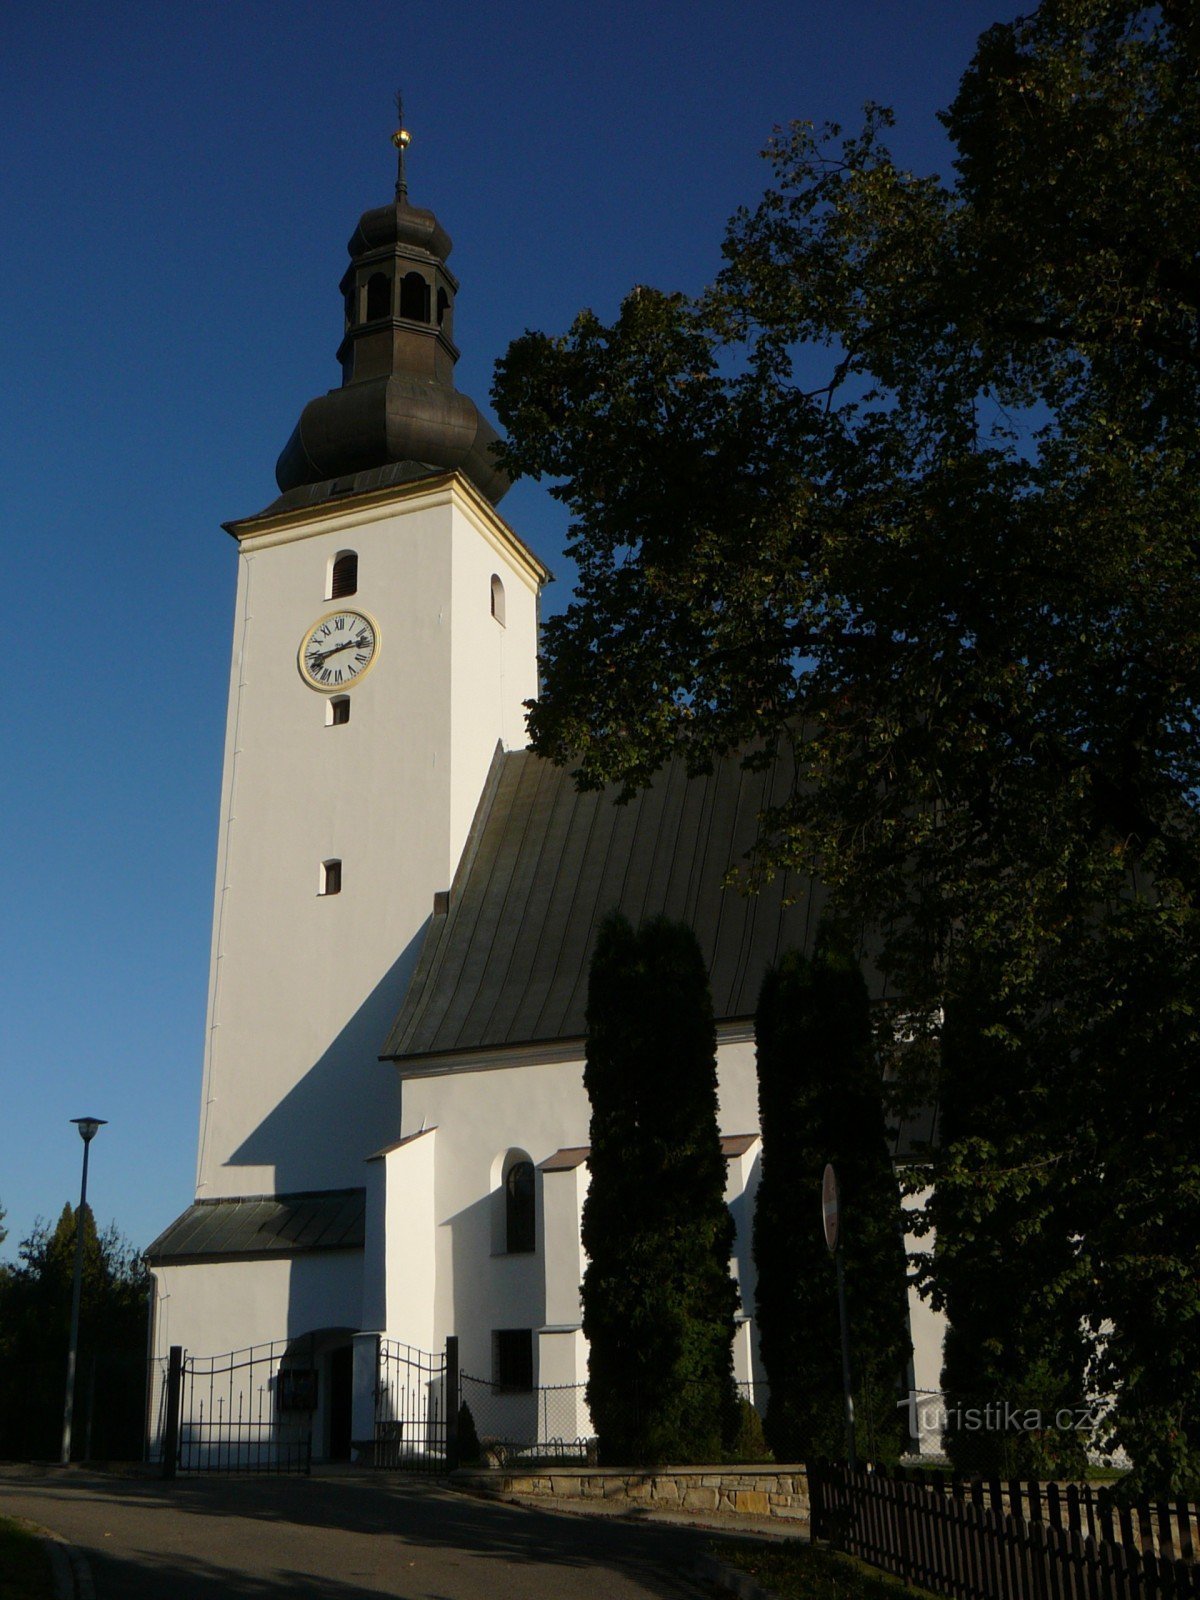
(831, 1217)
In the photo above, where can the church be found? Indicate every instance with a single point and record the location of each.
(393, 1127)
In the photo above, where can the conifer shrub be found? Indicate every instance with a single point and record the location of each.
(469, 1449)
(820, 1100)
(658, 1297)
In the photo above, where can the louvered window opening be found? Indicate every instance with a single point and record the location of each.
(345, 575)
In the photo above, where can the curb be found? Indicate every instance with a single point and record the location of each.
(68, 1566)
(731, 1579)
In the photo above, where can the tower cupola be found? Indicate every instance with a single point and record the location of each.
(397, 407)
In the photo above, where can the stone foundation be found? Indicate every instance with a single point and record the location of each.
(768, 1491)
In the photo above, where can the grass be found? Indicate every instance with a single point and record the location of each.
(24, 1565)
(811, 1572)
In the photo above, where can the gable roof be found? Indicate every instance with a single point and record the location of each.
(508, 963)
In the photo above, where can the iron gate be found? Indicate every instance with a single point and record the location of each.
(416, 1408)
(249, 1410)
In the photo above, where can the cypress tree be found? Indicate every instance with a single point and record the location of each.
(658, 1297)
(820, 1100)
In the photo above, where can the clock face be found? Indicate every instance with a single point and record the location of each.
(338, 649)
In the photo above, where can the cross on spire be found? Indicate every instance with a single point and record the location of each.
(401, 139)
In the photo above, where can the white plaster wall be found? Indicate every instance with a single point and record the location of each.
(493, 666)
(928, 1328)
(741, 1186)
(214, 1307)
(537, 1108)
(562, 1216)
(737, 1086)
(411, 1246)
(305, 986)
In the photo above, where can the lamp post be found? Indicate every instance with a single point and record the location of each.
(88, 1129)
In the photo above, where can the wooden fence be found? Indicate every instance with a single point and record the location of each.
(1006, 1541)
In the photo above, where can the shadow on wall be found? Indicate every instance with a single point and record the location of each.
(491, 1289)
(348, 1089)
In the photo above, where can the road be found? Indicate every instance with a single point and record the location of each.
(342, 1538)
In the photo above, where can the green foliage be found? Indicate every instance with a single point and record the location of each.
(658, 1298)
(820, 1100)
(1005, 1268)
(802, 1571)
(35, 1309)
(750, 1442)
(911, 494)
(469, 1449)
(24, 1563)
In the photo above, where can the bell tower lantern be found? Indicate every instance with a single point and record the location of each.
(397, 403)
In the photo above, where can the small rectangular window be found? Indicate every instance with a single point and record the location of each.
(331, 877)
(512, 1358)
(338, 711)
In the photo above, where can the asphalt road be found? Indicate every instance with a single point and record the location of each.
(342, 1538)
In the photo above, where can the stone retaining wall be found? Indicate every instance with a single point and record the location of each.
(769, 1491)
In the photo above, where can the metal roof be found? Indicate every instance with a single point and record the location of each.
(508, 963)
(575, 1155)
(265, 1225)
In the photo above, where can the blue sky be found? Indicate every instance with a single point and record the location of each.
(177, 187)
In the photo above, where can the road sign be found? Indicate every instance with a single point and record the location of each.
(830, 1210)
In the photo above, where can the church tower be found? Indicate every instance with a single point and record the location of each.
(384, 642)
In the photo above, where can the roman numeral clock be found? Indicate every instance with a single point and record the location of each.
(340, 648)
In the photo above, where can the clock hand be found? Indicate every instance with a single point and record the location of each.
(324, 655)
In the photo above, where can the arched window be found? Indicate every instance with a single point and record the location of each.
(414, 297)
(443, 306)
(519, 1207)
(343, 575)
(331, 877)
(379, 296)
(351, 306)
(498, 600)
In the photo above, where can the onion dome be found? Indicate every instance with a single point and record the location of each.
(397, 405)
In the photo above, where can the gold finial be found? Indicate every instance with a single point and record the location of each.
(401, 139)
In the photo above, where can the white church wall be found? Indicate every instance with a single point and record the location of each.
(563, 1195)
(737, 1084)
(536, 1108)
(539, 1108)
(493, 663)
(217, 1306)
(389, 794)
(928, 1328)
(411, 1224)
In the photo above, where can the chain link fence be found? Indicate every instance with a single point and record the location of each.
(551, 1424)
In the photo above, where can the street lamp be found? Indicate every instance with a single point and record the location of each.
(88, 1127)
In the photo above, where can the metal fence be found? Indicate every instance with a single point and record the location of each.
(549, 1423)
(411, 1424)
(964, 1541)
(245, 1411)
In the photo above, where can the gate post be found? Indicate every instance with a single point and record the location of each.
(170, 1447)
(452, 1402)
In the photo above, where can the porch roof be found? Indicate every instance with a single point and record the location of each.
(264, 1225)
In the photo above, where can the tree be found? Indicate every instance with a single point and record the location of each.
(1005, 1267)
(35, 1301)
(912, 492)
(820, 1099)
(658, 1298)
